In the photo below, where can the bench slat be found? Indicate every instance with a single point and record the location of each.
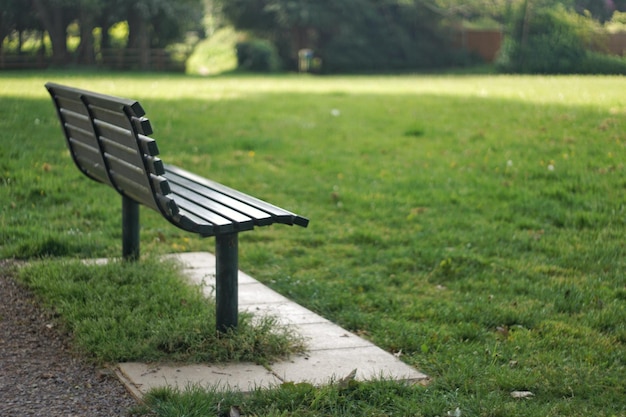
(220, 223)
(92, 168)
(148, 145)
(115, 134)
(131, 173)
(118, 150)
(155, 165)
(83, 137)
(115, 118)
(127, 137)
(135, 191)
(77, 119)
(130, 156)
(182, 195)
(71, 104)
(260, 218)
(278, 214)
(192, 223)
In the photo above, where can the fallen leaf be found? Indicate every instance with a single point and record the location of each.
(235, 411)
(503, 331)
(522, 394)
(346, 380)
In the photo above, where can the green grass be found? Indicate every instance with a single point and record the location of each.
(125, 311)
(473, 223)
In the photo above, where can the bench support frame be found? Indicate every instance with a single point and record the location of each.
(130, 229)
(226, 281)
(226, 267)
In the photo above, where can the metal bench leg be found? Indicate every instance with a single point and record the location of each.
(130, 229)
(226, 282)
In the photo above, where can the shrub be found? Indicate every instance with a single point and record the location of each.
(597, 63)
(555, 41)
(542, 41)
(258, 56)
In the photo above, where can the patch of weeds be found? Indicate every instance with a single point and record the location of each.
(53, 246)
(415, 131)
(339, 398)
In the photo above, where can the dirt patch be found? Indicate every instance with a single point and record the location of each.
(39, 372)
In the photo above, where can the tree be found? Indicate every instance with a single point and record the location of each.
(88, 13)
(152, 23)
(554, 40)
(15, 18)
(496, 10)
(348, 35)
(55, 16)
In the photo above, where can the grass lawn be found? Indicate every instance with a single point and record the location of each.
(472, 224)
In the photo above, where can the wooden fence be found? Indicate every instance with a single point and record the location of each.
(487, 43)
(115, 59)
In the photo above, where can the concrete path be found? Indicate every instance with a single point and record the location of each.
(332, 352)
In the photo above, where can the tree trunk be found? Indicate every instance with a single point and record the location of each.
(86, 52)
(139, 37)
(52, 19)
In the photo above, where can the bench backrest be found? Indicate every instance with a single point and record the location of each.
(108, 140)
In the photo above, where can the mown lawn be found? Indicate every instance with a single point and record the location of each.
(472, 224)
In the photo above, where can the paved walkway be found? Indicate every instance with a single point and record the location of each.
(332, 352)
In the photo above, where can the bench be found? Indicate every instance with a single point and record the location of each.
(108, 138)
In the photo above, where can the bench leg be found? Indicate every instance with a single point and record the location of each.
(226, 281)
(130, 229)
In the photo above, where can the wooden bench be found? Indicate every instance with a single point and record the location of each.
(108, 140)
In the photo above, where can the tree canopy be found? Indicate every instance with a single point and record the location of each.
(151, 23)
(347, 35)
(344, 35)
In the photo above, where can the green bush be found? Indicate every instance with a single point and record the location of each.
(257, 56)
(542, 41)
(555, 41)
(601, 64)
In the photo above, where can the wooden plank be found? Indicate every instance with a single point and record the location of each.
(102, 100)
(76, 119)
(137, 192)
(142, 125)
(220, 224)
(155, 165)
(108, 116)
(278, 214)
(148, 145)
(191, 223)
(131, 172)
(57, 90)
(245, 222)
(124, 153)
(260, 218)
(85, 138)
(113, 103)
(91, 154)
(71, 104)
(116, 133)
(168, 206)
(96, 172)
(160, 185)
